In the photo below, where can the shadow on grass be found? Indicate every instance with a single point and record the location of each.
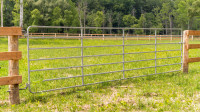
(45, 97)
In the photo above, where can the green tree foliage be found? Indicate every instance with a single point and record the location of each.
(71, 17)
(35, 18)
(184, 14)
(129, 20)
(96, 20)
(194, 14)
(195, 9)
(57, 19)
(141, 24)
(99, 19)
(16, 14)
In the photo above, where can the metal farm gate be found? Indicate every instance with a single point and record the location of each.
(86, 56)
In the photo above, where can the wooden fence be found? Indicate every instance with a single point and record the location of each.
(111, 36)
(187, 47)
(13, 55)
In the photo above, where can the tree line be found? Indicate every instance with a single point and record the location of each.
(105, 13)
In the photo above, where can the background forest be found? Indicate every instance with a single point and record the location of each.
(183, 14)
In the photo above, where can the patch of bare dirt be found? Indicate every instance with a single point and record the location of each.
(115, 98)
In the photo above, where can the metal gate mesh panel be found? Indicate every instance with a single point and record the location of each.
(95, 55)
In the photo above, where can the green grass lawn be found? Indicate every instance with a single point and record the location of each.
(165, 92)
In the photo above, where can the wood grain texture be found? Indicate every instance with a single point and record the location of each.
(10, 55)
(10, 31)
(193, 60)
(10, 80)
(13, 70)
(194, 46)
(185, 51)
(193, 32)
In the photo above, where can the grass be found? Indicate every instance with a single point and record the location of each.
(164, 92)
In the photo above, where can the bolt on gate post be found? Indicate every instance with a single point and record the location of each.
(13, 55)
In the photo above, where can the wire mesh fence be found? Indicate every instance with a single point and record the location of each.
(68, 57)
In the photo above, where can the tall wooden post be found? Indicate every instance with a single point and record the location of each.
(13, 70)
(13, 56)
(185, 51)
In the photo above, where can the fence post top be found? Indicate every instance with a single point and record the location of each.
(192, 32)
(10, 31)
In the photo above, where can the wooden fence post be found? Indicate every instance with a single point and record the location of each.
(149, 38)
(171, 38)
(185, 51)
(13, 70)
(13, 56)
(160, 37)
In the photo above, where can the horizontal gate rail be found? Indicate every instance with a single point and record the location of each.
(80, 47)
(155, 42)
(106, 81)
(103, 55)
(100, 56)
(100, 64)
(92, 65)
(105, 28)
(101, 46)
(89, 37)
(113, 72)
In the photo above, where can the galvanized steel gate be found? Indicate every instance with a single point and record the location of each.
(95, 55)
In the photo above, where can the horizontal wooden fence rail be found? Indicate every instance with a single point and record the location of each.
(187, 47)
(103, 36)
(10, 80)
(193, 46)
(192, 60)
(10, 56)
(13, 56)
(160, 37)
(10, 31)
